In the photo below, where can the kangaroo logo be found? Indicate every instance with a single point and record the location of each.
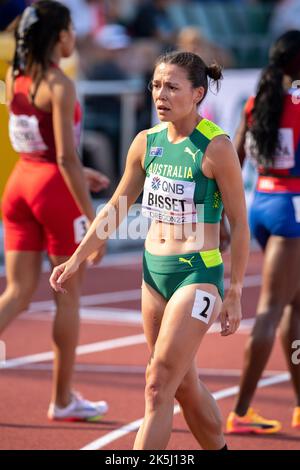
(188, 261)
(192, 154)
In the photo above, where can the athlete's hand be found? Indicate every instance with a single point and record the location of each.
(231, 314)
(62, 273)
(97, 256)
(96, 181)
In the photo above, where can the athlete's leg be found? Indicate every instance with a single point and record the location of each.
(198, 406)
(153, 306)
(200, 411)
(65, 335)
(179, 337)
(279, 285)
(22, 274)
(290, 332)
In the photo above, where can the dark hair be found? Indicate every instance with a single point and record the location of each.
(284, 59)
(197, 71)
(37, 33)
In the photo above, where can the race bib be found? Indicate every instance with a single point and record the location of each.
(25, 134)
(168, 200)
(80, 228)
(250, 148)
(285, 156)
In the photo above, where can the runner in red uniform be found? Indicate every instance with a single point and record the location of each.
(271, 131)
(46, 204)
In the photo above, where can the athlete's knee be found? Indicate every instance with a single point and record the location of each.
(159, 384)
(67, 302)
(21, 294)
(265, 326)
(271, 311)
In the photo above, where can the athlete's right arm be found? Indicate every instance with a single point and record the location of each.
(63, 98)
(110, 217)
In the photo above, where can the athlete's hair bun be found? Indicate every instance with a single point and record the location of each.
(214, 71)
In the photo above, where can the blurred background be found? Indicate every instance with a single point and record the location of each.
(117, 44)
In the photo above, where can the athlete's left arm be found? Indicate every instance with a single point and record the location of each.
(223, 164)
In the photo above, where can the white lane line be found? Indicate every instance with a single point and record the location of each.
(225, 393)
(114, 435)
(122, 296)
(110, 315)
(80, 350)
(138, 370)
(95, 315)
(251, 280)
(119, 315)
(89, 300)
(98, 347)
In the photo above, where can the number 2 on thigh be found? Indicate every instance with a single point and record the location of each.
(203, 306)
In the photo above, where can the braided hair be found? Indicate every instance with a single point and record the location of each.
(36, 35)
(284, 59)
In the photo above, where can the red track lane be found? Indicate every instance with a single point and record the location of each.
(25, 391)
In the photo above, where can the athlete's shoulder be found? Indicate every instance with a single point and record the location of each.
(221, 156)
(220, 144)
(157, 129)
(55, 76)
(61, 87)
(139, 142)
(137, 148)
(209, 129)
(141, 136)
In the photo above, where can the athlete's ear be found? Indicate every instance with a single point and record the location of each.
(198, 94)
(63, 36)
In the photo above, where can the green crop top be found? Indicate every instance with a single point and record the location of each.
(176, 190)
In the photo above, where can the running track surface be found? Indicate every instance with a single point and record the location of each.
(111, 366)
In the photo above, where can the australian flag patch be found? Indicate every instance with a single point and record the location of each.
(156, 151)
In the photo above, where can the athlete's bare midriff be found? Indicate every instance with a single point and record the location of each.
(166, 239)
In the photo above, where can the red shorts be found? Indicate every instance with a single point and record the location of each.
(39, 212)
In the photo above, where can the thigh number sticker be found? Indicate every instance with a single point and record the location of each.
(203, 306)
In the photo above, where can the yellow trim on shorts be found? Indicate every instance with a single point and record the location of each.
(211, 258)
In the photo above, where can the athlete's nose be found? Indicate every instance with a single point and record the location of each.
(161, 93)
